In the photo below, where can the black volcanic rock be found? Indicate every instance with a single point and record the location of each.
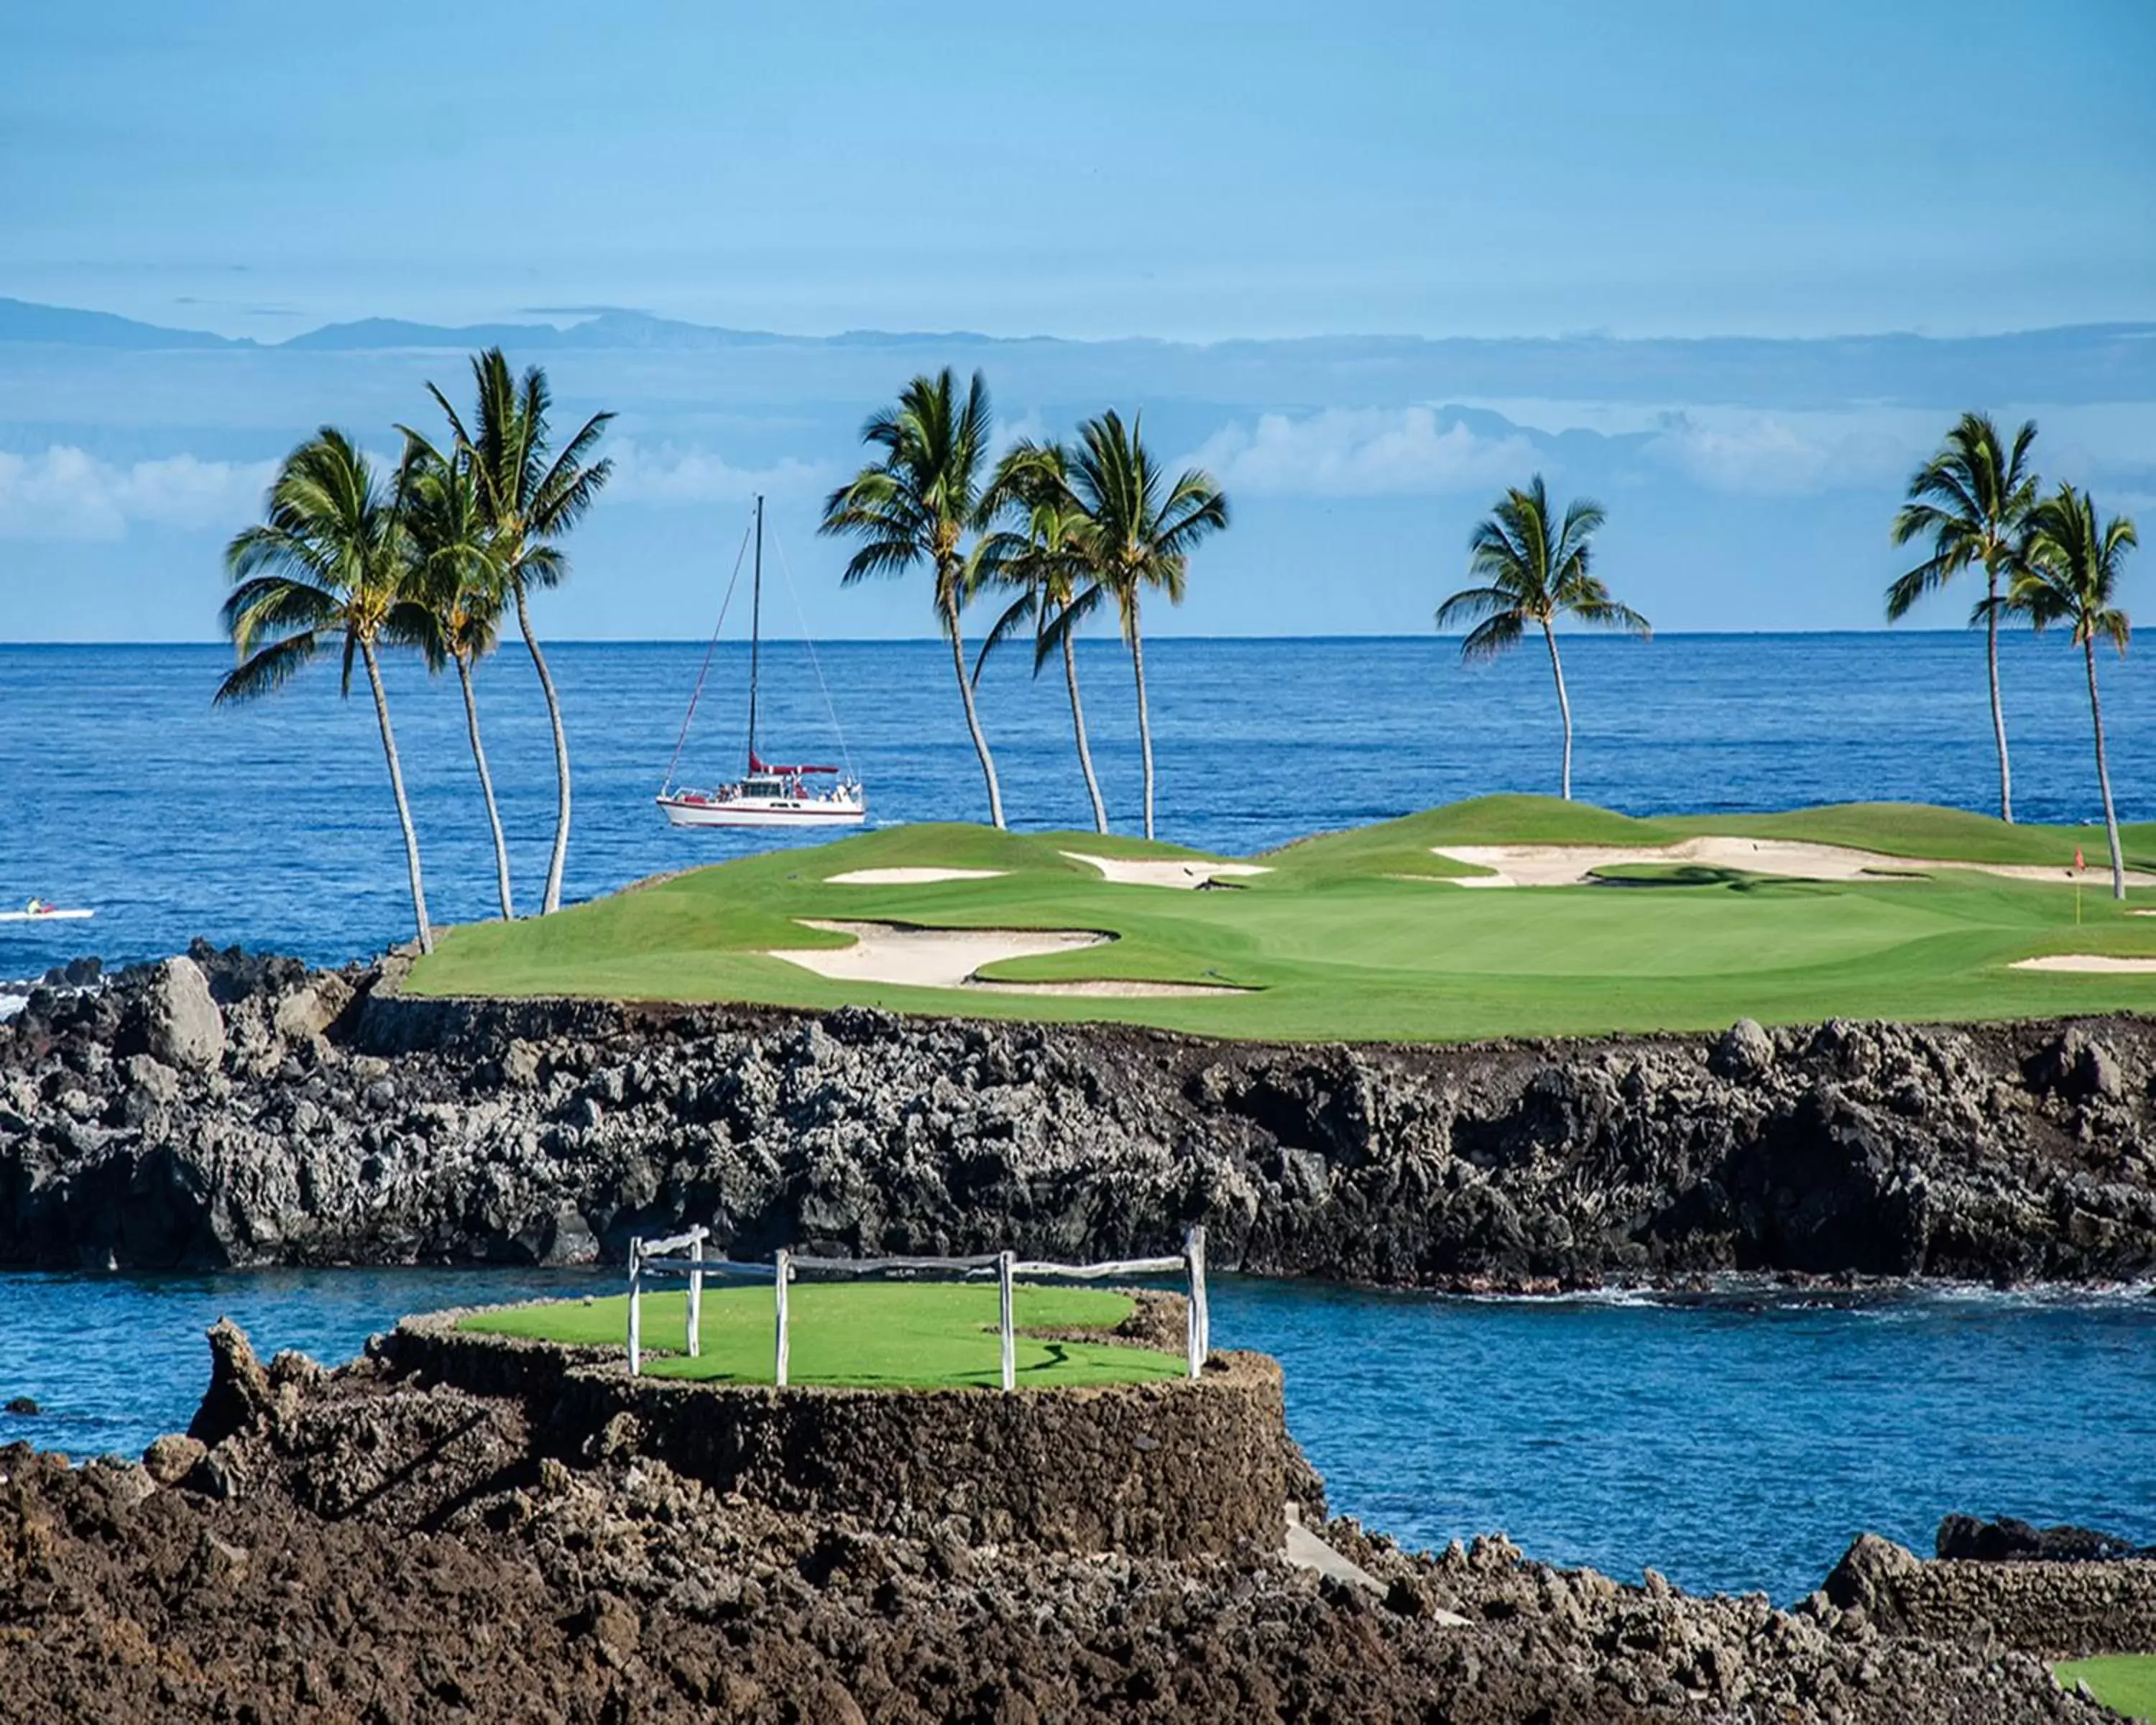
(370, 1546)
(1966, 1539)
(341, 1125)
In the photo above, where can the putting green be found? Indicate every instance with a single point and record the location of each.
(1365, 935)
(2124, 1682)
(888, 1335)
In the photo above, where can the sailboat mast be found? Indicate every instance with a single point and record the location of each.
(755, 629)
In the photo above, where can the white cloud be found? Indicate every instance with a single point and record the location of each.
(665, 474)
(1767, 456)
(1365, 452)
(67, 493)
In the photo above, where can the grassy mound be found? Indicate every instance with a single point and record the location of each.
(2124, 1682)
(1359, 935)
(884, 1335)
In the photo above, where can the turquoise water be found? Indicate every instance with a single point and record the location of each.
(1736, 1442)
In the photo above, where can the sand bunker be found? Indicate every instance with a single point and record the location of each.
(908, 877)
(2088, 964)
(1572, 865)
(1170, 871)
(948, 958)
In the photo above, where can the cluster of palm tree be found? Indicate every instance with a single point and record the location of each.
(2048, 561)
(1531, 568)
(1070, 531)
(431, 556)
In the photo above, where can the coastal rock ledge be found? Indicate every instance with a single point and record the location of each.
(226, 1110)
(373, 1544)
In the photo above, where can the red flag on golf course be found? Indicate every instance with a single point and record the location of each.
(2078, 864)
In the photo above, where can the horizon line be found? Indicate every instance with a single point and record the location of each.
(938, 641)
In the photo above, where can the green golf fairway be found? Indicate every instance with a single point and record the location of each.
(2124, 1682)
(876, 1334)
(1365, 935)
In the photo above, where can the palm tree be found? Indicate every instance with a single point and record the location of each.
(1044, 563)
(1529, 577)
(2068, 572)
(1137, 536)
(529, 498)
(1971, 499)
(917, 504)
(453, 574)
(328, 561)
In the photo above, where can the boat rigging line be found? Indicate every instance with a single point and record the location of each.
(808, 640)
(704, 671)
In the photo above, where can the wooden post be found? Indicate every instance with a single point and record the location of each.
(782, 1263)
(1201, 1325)
(1004, 1260)
(635, 1307)
(696, 1295)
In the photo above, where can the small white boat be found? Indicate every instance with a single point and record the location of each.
(767, 795)
(37, 911)
(770, 796)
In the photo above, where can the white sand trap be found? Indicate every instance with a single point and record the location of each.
(1163, 871)
(908, 877)
(1572, 865)
(2088, 964)
(948, 958)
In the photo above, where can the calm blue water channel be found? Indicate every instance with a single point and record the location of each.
(1736, 1442)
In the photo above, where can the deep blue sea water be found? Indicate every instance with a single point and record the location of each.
(121, 789)
(1736, 1442)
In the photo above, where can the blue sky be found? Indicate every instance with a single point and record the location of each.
(1666, 166)
(1190, 175)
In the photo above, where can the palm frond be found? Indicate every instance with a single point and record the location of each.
(1019, 617)
(1493, 636)
(1606, 612)
(1473, 603)
(268, 669)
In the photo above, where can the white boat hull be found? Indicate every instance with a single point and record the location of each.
(46, 916)
(758, 812)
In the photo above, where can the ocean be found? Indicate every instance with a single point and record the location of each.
(1733, 1443)
(124, 791)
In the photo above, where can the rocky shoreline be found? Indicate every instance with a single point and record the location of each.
(372, 1544)
(225, 1110)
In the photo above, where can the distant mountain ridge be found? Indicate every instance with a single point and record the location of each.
(2090, 362)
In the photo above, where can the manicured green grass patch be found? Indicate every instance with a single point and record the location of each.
(2124, 1682)
(876, 1334)
(1333, 943)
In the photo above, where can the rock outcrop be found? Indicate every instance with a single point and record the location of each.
(2056, 1605)
(370, 1546)
(337, 1125)
(1966, 1539)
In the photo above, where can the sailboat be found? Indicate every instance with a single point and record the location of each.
(768, 794)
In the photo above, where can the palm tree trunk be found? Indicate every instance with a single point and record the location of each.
(1078, 724)
(552, 902)
(1998, 712)
(397, 785)
(973, 717)
(486, 789)
(1145, 720)
(2103, 778)
(1564, 706)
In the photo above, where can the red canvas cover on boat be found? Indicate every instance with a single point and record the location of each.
(760, 766)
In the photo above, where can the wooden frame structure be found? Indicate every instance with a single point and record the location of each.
(683, 1254)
